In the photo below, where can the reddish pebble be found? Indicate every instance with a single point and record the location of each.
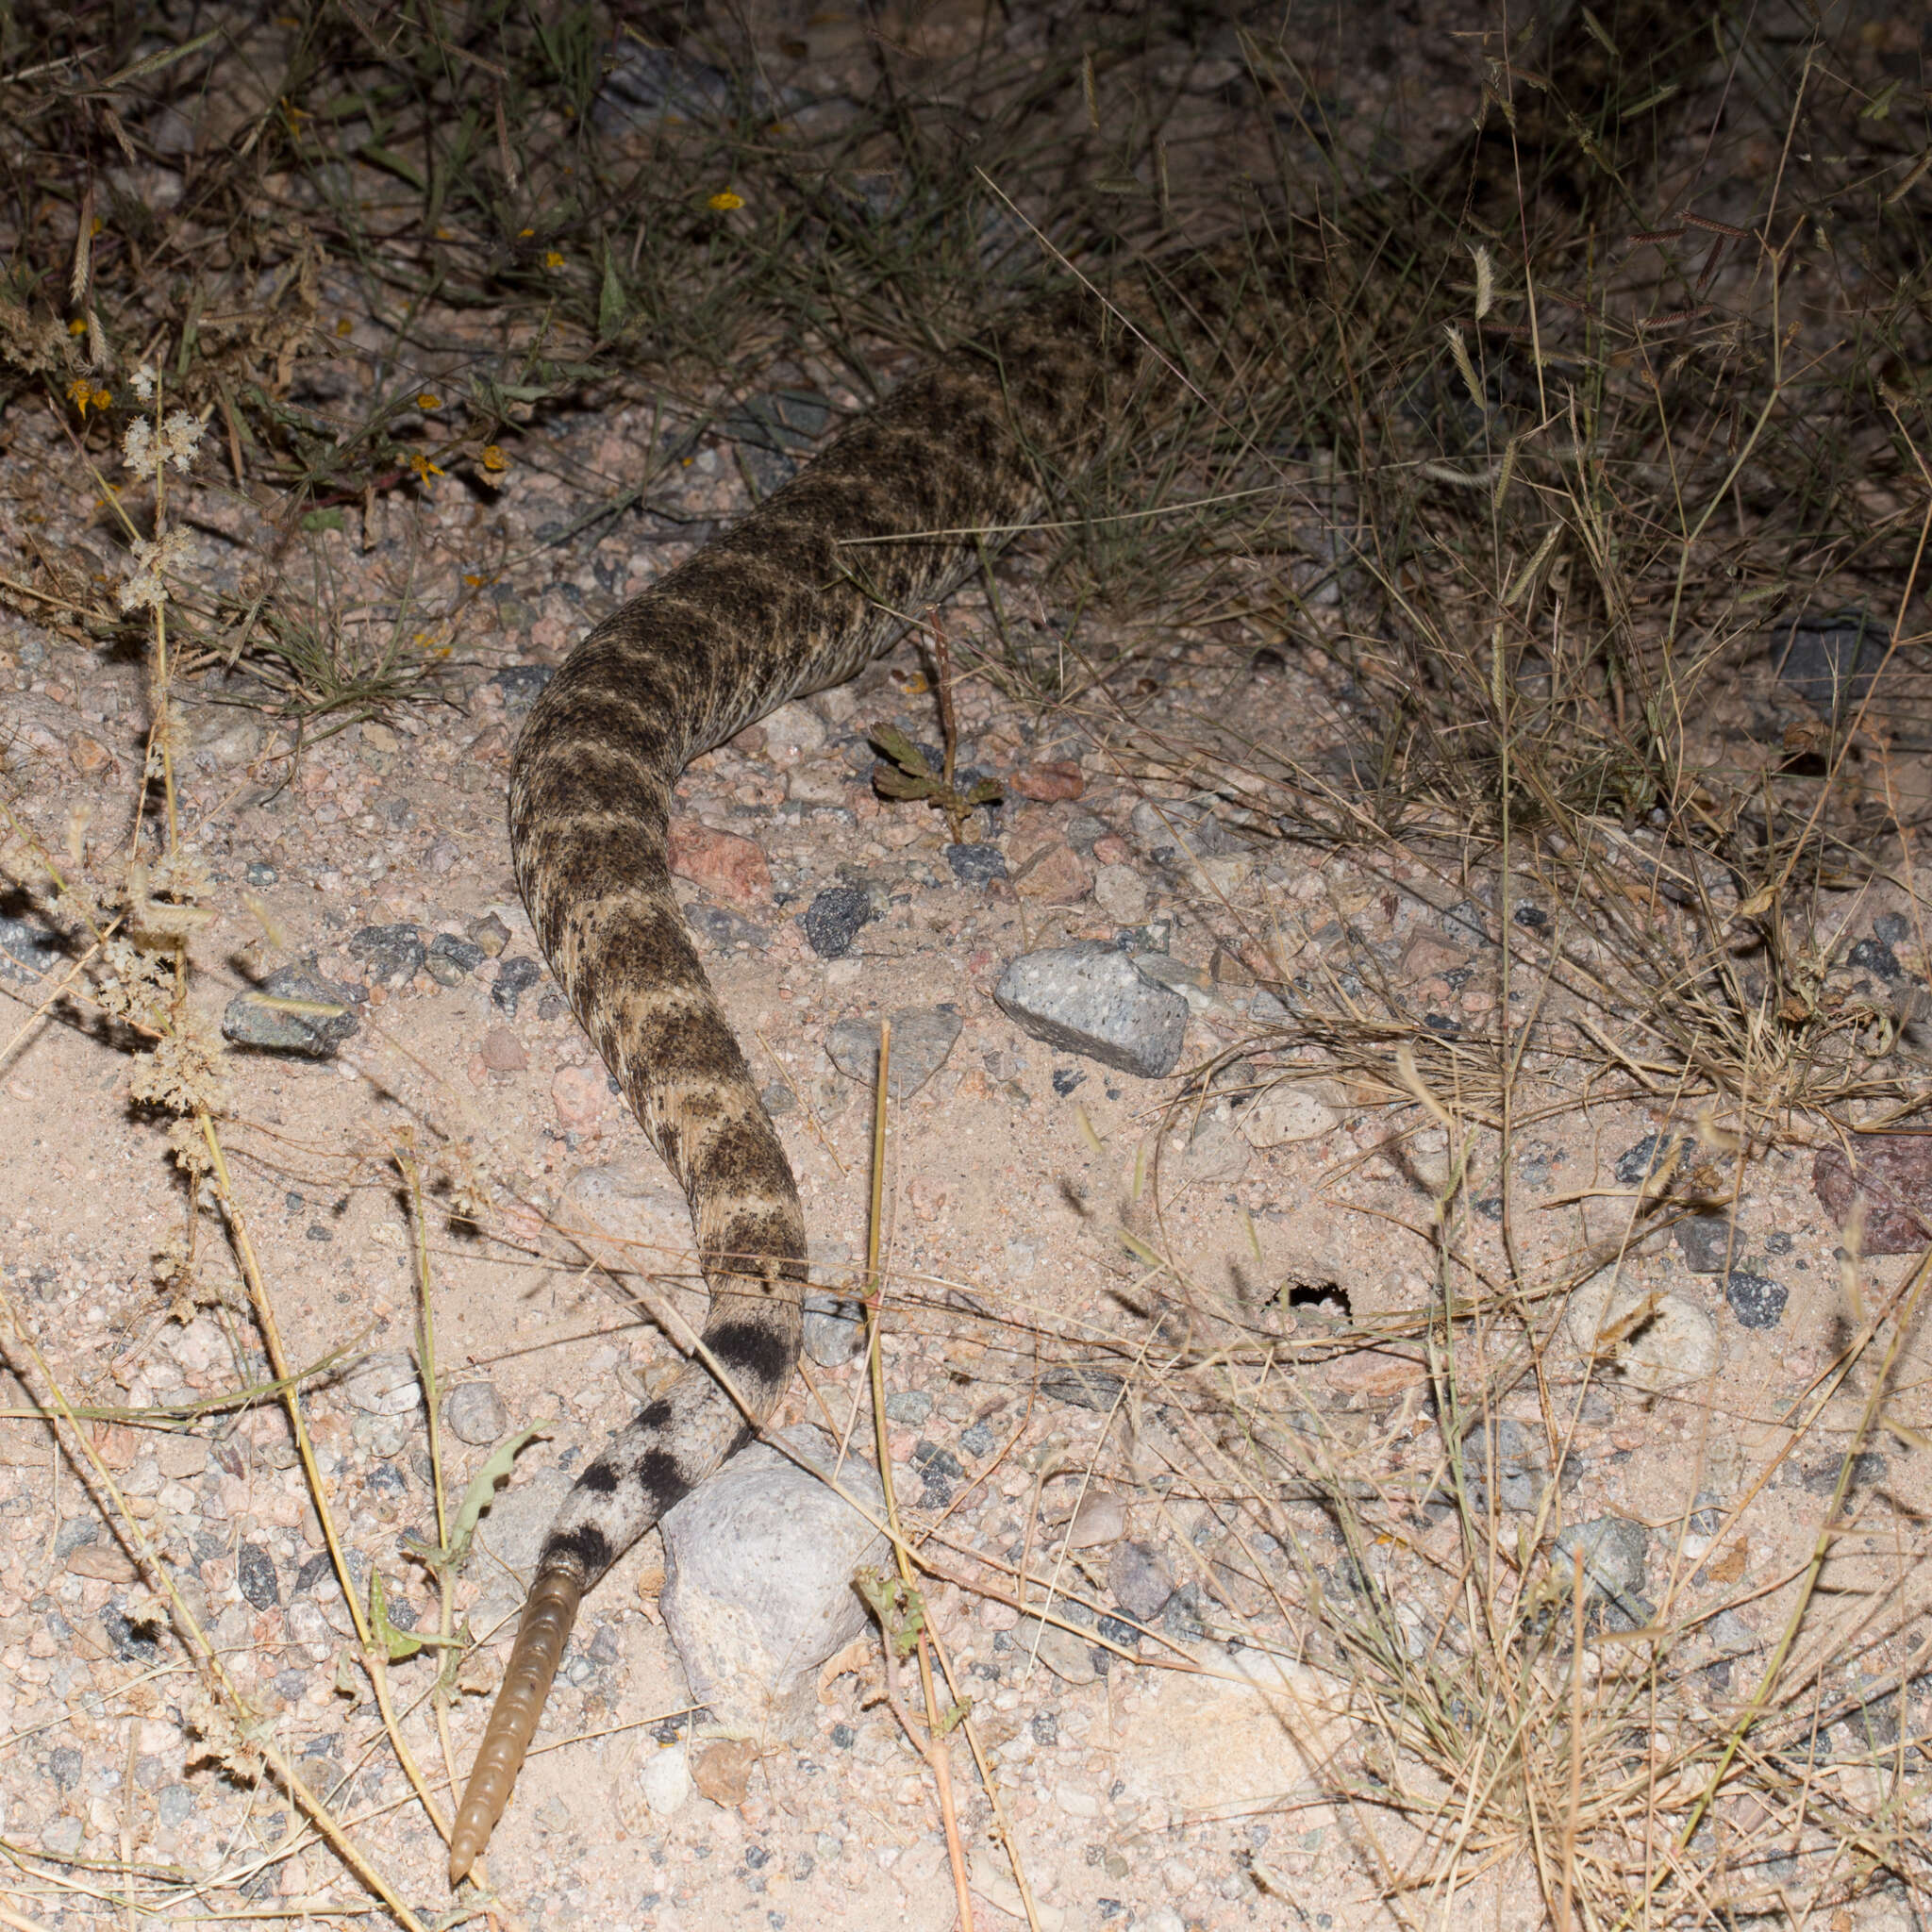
(1894, 1174)
(579, 1095)
(721, 863)
(1112, 850)
(502, 1052)
(1049, 781)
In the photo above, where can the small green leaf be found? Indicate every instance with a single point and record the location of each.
(611, 305)
(988, 791)
(901, 750)
(387, 157)
(324, 520)
(482, 1490)
(905, 784)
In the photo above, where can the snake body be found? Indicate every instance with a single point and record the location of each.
(823, 576)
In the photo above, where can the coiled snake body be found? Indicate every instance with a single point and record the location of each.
(823, 576)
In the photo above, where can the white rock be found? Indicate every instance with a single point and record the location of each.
(199, 1346)
(385, 1384)
(758, 1591)
(664, 1778)
(793, 731)
(1100, 1520)
(1076, 1802)
(1651, 1340)
(1288, 1113)
(816, 784)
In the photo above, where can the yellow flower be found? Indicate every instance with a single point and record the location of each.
(80, 392)
(429, 400)
(524, 234)
(494, 458)
(423, 468)
(77, 327)
(100, 399)
(725, 201)
(345, 326)
(551, 260)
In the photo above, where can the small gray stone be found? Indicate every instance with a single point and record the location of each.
(1832, 660)
(1615, 1554)
(722, 929)
(514, 979)
(1758, 1301)
(923, 1037)
(1139, 1581)
(254, 1577)
(519, 1519)
(1064, 1654)
(319, 1015)
(1088, 999)
(976, 864)
(385, 1384)
(909, 1405)
(757, 1591)
(1704, 1241)
(1518, 1467)
(62, 1839)
(27, 949)
(521, 685)
(474, 1413)
(393, 954)
(834, 1328)
(452, 958)
(832, 921)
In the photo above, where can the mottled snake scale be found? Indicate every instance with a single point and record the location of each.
(822, 576)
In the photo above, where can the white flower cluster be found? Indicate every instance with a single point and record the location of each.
(144, 589)
(144, 452)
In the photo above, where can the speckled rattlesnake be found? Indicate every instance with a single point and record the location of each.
(775, 607)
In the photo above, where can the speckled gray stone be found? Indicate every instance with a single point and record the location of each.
(474, 1413)
(252, 1019)
(921, 1039)
(1088, 999)
(758, 1581)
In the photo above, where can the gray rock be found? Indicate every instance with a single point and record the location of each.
(521, 685)
(1088, 999)
(1139, 1581)
(976, 864)
(1615, 1555)
(294, 1011)
(62, 1839)
(722, 929)
(923, 1037)
(514, 979)
(834, 1328)
(1064, 1654)
(393, 954)
(1832, 660)
(1704, 1240)
(1758, 1301)
(832, 921)
(254, 1577)
(1518, 1467)
(451, 958)
(513, 1528)
(27, 949)
(758, 1581)
(911, 1406)
(474, 1413)
(385, 1384)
